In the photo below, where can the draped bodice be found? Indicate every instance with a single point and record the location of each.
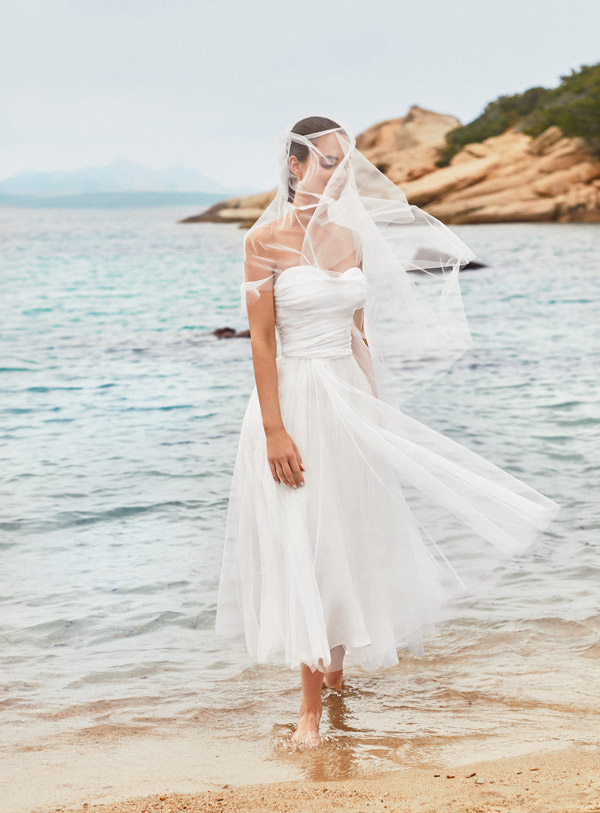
(314, 309)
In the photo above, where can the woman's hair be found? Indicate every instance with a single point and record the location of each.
(311, 124)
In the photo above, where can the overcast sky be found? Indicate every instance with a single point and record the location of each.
(208, 83)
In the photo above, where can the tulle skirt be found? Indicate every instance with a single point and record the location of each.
(396, 528)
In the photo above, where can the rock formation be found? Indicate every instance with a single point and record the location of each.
(506, 178)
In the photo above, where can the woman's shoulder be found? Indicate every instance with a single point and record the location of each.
(263, 234)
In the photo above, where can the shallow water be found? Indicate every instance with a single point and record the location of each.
(120, 415)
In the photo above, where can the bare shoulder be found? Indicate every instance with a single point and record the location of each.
(257, 235)
(264, 238)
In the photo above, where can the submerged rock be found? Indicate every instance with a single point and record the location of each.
(230, 333)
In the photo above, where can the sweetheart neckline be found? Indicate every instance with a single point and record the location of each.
(326, 271)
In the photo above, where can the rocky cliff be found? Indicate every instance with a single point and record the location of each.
(505, 178)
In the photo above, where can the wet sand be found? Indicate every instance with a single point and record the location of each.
(543, 782)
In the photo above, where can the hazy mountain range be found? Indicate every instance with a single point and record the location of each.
(121, 183)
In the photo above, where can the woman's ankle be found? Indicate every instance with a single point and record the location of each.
(312, 710)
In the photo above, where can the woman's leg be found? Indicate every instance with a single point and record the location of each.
(332, 677)
(307, 729)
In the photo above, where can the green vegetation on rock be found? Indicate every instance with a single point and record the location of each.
(573, 106)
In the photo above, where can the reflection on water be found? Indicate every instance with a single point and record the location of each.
(119, 423)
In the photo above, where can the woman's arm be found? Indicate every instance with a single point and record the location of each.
(359, 313)
(284, 459)
(359, 321)
(261, 319)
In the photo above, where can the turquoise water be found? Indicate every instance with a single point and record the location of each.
(120, 414)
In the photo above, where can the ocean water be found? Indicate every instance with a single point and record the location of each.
(119, 419)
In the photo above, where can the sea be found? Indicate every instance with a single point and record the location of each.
(120, 412)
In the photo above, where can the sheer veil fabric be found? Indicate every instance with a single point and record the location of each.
(350, 214)
(397, 525)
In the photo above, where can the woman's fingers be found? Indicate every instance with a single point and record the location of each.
(288, 473)
(295, 463)
(287, 468)
(281, 477)
(299, 456)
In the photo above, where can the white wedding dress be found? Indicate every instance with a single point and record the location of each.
(396, 525)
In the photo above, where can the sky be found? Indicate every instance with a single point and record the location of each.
(207, 84)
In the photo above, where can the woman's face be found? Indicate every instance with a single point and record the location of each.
(321, 163)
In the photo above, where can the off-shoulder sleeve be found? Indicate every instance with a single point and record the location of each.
(258, 273)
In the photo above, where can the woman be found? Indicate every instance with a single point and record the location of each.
(354, 530)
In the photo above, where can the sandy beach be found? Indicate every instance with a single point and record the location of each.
(543, 782)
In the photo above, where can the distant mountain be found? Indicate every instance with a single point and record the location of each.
(122, 176)
(111, 200)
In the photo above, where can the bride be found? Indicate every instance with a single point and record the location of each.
(354, 530)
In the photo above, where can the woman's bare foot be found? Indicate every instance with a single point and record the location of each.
(307, 729)
(311, 707)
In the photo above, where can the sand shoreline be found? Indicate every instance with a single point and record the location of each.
(542, 782)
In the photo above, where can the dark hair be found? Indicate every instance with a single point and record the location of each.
(311, 124)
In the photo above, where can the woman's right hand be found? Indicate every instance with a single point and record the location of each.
(284, 458)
